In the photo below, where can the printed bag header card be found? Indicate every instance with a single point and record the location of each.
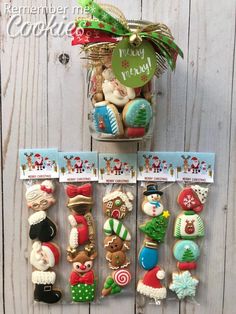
(117, 168)
(38, 163)
(78, 166)
(179, 166)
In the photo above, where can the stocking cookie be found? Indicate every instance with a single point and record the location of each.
(40, 196)
(186, 252)
(116, 249)
(136, 116)
(44, 255)
(151, 286)
(41, 227)
(82, 279)
(107, 119)
(188, 225)
(117, 204)
(114, 226)
(44, 291)
(193, 198)
(183, 284)
(116, 282)
(114, 91)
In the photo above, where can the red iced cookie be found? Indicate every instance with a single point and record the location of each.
(193, 198)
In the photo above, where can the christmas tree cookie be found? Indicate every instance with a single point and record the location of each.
(188, 225)
(186, 252)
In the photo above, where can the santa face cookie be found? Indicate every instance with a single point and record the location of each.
(114, 91)
(186, 252)
(117, 204)
(40, 196)
(116, 282)
(44, 255)
(116, 249)
(183, 284)
(188, 225)
(151, 286)
(151, 205)
(193, 198)
(107, 119)
(82, 279)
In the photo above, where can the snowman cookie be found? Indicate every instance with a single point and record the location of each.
(117, 204)
(107, 119)
(114, 91)
(136, 116)
(151, 205)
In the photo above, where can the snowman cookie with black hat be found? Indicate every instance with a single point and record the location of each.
(151, 205)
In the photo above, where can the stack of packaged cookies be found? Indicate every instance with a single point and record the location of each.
(154, 231)
(81, 251)
(188, 227)
(116, 206)
(45, 254)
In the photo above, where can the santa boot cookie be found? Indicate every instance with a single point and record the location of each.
(151, 286)
(41, 227)
(44, 291)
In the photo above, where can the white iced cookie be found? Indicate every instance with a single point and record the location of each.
(114, 91)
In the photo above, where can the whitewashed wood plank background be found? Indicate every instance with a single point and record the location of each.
(44, 105)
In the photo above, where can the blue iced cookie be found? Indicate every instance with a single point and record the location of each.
(107, 119)
(186, 252)
(137, 113)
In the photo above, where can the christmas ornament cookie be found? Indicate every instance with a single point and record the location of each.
(151, 286)
(114, 226)
(82, 279)
(44, 291)
(80, 198)
(107, 119)
(188, 225)
(151, 205)
(44, 255)
(116, 249)
(117, 204)
(186, 252)
(114, 91)
(116, 282)
(193, 198)
(40, 196)
(155, 228)
(41, 227)
(148, 255)
(183, 284)
(136, 116)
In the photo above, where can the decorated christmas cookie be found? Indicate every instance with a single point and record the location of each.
(183, 284)
(151, 286)
(186, 252)
(44, 292)
(40, 196)
(116, 249)
(82, 279)
(188, 225)
(116, 281)
(114, 91)
(80, 198)
(151, 205)
(117, 204)
(107, 119)
(155, 228)
(136, 116)
(44, 255)
(114, 226)
(41, 227)
(193, 198)
(148, 255)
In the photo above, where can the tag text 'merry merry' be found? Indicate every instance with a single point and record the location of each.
(129, 52)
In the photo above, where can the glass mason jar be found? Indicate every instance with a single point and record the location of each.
(117, 112)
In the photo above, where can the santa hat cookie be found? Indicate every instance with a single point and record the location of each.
(151, 286)
(117, 204)
(44, 255)
(193, 198)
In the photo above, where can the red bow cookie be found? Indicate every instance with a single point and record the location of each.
(45, 189)
(73, 190)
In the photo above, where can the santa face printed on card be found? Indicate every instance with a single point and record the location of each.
(38, 162)
(151, 205)
(156, 164)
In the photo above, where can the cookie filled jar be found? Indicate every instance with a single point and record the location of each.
(123, 58)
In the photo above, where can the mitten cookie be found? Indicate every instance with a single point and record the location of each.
(193, 198)
(148, 255)
(41, 227)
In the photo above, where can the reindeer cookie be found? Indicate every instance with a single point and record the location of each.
(188, 225)
(117, 204)
(40, 196)
(82, 279)
(116, 249)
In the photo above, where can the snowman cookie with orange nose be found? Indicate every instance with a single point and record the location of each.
(151, 205)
